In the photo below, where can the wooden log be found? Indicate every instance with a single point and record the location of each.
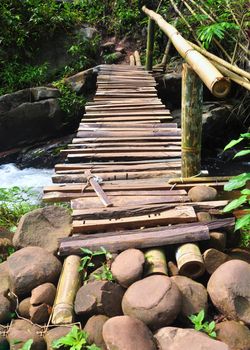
(191, 121)
(150, 45)
(69, 283)
(212, 78)
(197, 180)
(97, 188)
(177, 215)
(137, 58)
(131, 60)
(142, 239)
(189, 260)
(155, 262)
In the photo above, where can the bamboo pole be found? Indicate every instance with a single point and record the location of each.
(211, 77)
(131, 60)
(155, 262)
(219, 60)
(189, 260)
(137, 58)
(69, 283)
(191, 121)
(150, 44)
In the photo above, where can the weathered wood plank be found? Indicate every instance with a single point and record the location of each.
(177, 215)
(134, 239)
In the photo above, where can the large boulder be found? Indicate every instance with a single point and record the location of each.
(94, 327)
(155, 300)
(43, 228)
(22, 331)
(5, 309)
(124, 332)
(31, 266)
(194, 296)
(172, 338)
(127, 267)
(234, 334)
(229, 290)
(4, 277)
(99, 297)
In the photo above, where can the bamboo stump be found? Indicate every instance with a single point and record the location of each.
(191, 120)
(150, 44)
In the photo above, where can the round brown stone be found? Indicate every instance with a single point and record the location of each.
(234, 334)
(202, 193)
(155, 300)
(94, 327)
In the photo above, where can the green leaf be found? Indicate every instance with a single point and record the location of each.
(200, 316)
(242, 153)
(246, 135)
(233, 143)
(246, 191)
(27, 345)
(211, 326)
(244, 221)
(86, 251)
(212, 334)
(237, 182)
(235, 204)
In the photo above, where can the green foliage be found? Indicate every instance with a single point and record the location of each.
(87, 262)
(14, 203)
(105, 274)
(110, 58)
(237, 182)
(27, 345)
(200, 325)
(70, 102)
(216, 30)
(76, 339)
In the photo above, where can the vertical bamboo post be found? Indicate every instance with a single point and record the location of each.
(150, 44)
(191, 121)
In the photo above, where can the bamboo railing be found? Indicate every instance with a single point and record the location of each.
(208, 73)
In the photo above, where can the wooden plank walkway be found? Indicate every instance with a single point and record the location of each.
(117, 168)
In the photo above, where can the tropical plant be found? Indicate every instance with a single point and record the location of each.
(76, 339)
(240, 182)
(201, 325)
(87, 262)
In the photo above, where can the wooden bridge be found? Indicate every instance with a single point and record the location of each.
(119, 167)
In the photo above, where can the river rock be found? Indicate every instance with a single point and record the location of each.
(217, 240)
(5, 309)
(213, 259)
(24, 308)
(203, 216)
(124, 332)
(45, 293)
(83, 82)
(228, 288)
(55, 334)
(22, 331)
(94, 327)
(4, 277)
(172, 269)
(172, 338)
(43, 228)
(155, 300)
(99, 297)
(202, 193)
(127, 268)
(240, 254)
(39, 314)
(31, 266)
(234, 334)
(194, 296)
(43, 92)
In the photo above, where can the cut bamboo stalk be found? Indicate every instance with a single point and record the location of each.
(191, 121)
(69, 283)
(98, 190)
(155, 262)
(219, 60)
(150, 45)
(211, 77)
(131, 60)
(137, 58)
(189, 260)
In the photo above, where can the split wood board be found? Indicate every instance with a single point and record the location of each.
(128, 119)
(127, 125)
(92, 202)
(142, 239)
(122, 107)
(177, 215)
(124, 134)
(127, 139)
(124, 144)
(114, 149)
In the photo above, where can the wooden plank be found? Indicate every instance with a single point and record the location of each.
(124, 144)
(113, 176)
(177, 215)
(128, 119)
(133, 113)
(195, 180)
(138, 155)
(97, 188)
(85, 124)
(126, 139)
(134, 239)
(92, 202)
(118, 133)
(169, 148)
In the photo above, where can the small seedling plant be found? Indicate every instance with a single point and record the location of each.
(201, 325)
(76, 339)
(87, 262)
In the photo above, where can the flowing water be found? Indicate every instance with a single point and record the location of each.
(11, 175)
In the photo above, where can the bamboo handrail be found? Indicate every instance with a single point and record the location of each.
(212, 78)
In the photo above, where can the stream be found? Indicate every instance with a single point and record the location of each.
(11, 175)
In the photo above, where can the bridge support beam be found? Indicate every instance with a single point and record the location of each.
(191, 121)
(150, 44)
